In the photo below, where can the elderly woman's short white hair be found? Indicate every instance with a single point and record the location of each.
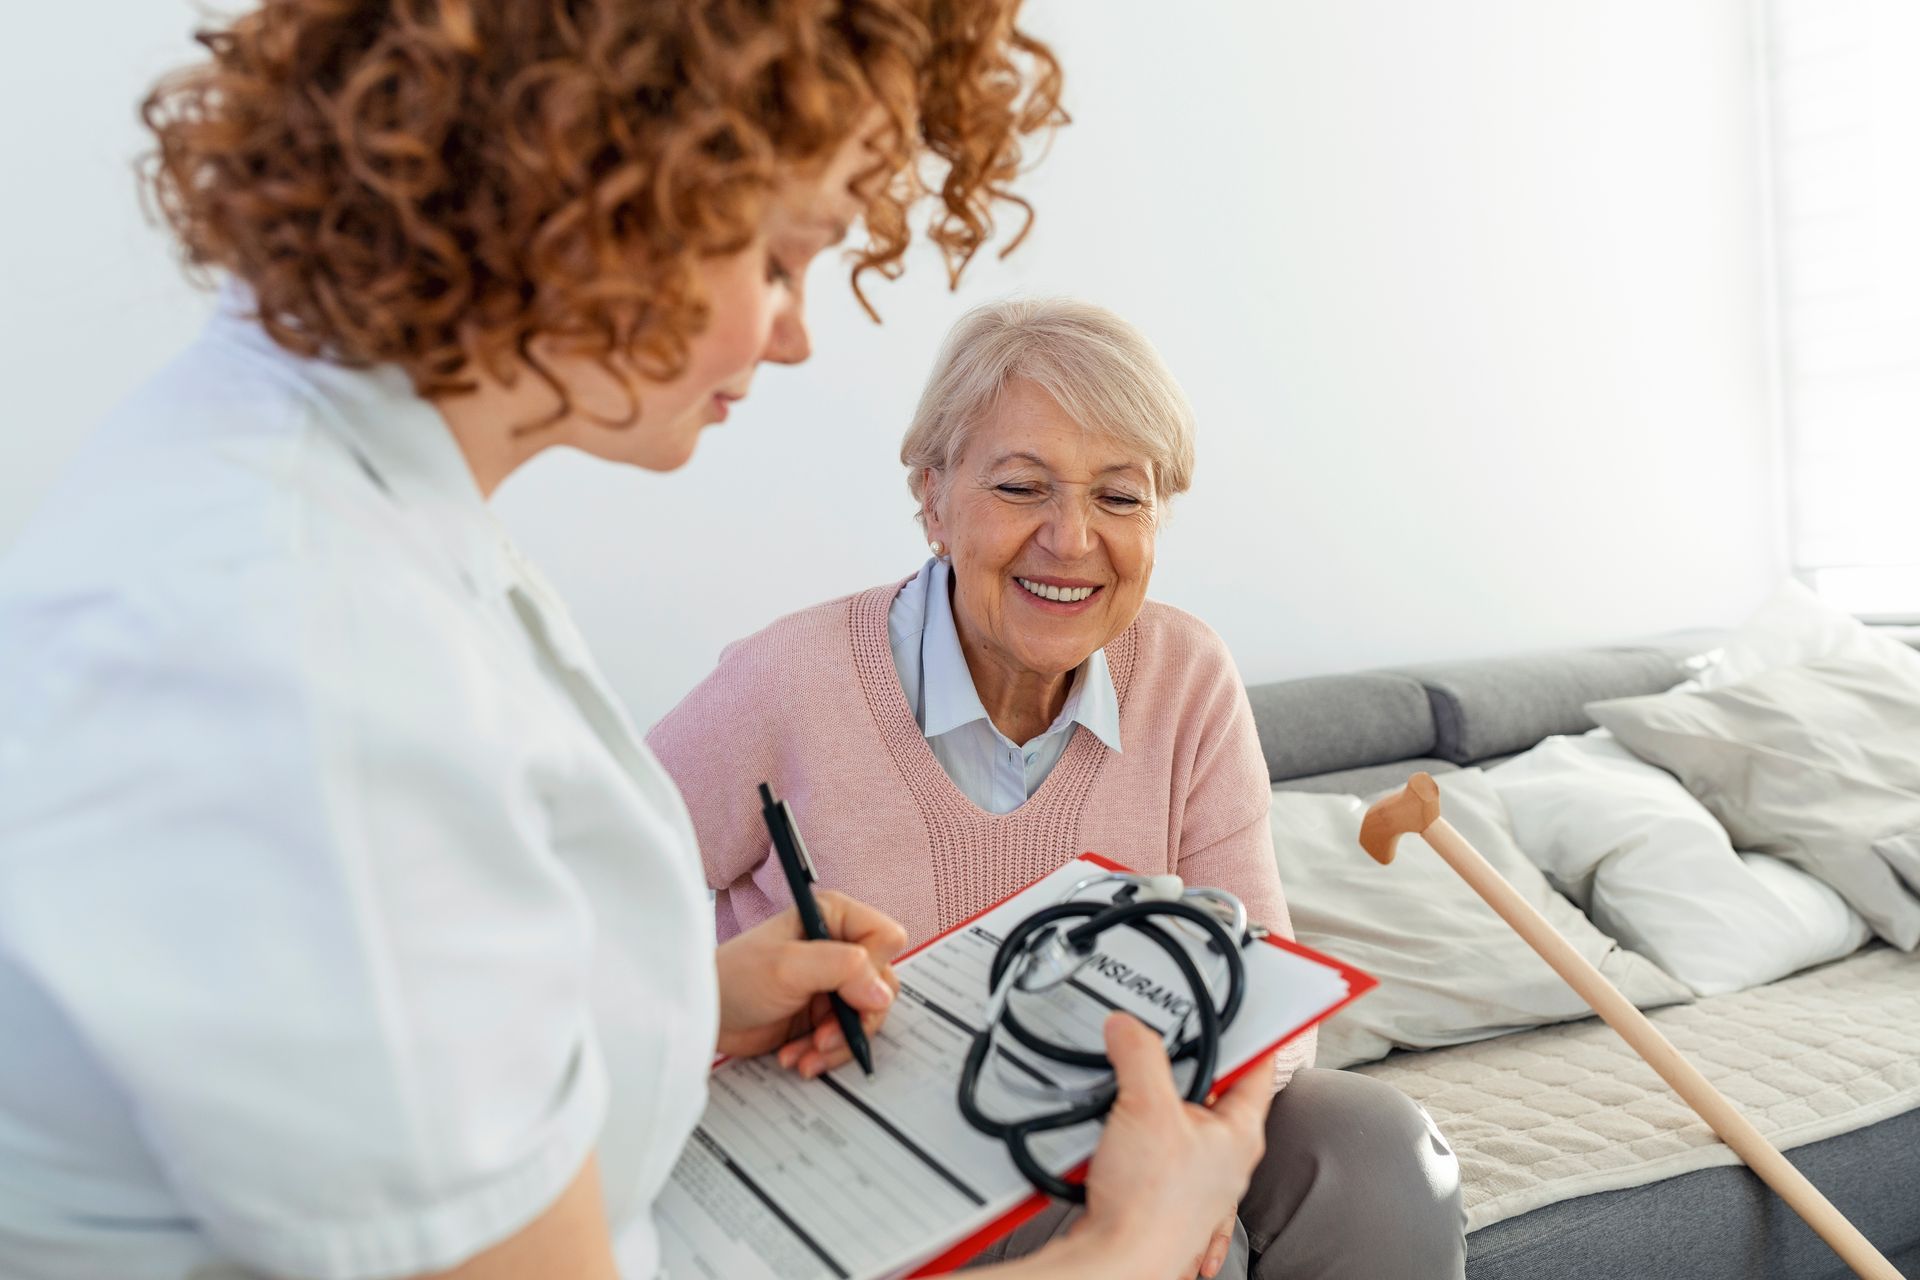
(1098, 368)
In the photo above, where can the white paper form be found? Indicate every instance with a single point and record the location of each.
(850, 1178)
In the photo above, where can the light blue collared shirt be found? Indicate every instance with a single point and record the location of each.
(988, 767)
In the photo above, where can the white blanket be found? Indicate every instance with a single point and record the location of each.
(1562, 1111)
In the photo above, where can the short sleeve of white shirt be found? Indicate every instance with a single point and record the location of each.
(313, 934)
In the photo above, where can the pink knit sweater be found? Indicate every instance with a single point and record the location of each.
(813, 706)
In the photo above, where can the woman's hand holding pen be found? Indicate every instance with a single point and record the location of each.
(774, 983)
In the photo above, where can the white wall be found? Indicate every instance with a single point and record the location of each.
(1468, 298)
(90, 299)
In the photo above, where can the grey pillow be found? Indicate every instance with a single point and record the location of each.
(1450, 970)
(1818, 764)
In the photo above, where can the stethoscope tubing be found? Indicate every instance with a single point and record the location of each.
(1203, 1046)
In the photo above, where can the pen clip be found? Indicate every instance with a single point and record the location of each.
(799, 844)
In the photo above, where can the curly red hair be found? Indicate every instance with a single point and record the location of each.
(428, 182)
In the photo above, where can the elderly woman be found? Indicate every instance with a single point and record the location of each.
(947, 739)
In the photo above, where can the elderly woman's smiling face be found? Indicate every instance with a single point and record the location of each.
(1050, 528)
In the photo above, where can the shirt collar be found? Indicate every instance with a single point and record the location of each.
(949, 699)
(399, 440)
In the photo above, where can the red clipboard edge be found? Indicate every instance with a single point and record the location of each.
(1358, 984)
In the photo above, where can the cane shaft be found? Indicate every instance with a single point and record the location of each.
(1694, 1088)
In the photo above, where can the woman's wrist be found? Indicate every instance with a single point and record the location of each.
(1099, 1250)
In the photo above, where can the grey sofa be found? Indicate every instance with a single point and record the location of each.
(1362, 732)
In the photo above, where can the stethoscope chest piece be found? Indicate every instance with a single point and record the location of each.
(1050, 962)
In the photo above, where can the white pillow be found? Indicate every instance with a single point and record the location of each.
(1450, 970)
(1816, 764)
(1792, 628)
(1628, 843)
(1830, 929)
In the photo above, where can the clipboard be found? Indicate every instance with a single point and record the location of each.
(848, 1179)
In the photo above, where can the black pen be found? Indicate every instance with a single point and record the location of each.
(799, 870)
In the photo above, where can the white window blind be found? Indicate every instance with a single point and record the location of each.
(1842, 86)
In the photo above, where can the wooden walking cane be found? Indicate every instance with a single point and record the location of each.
(1415, 810)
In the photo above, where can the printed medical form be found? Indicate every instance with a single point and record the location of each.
(850, 1178)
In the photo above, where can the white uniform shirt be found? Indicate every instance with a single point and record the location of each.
(342, 911)
(991, 769)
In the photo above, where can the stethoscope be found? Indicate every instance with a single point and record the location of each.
(1045, 953)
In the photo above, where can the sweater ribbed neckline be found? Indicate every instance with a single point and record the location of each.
(978, 857)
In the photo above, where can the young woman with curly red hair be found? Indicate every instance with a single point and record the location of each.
(347, 927)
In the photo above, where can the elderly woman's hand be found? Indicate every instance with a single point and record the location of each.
(774, 983)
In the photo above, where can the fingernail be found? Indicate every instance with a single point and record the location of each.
(788, 1055)
(876, 994)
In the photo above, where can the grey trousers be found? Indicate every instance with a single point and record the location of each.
(1356, 1184)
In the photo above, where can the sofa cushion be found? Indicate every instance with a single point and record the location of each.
(1326, 723)
(1571, 1110)
(1365, 781)
(1734, 1226)
(1498, 706)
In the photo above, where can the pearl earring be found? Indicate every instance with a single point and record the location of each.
(938, 547)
